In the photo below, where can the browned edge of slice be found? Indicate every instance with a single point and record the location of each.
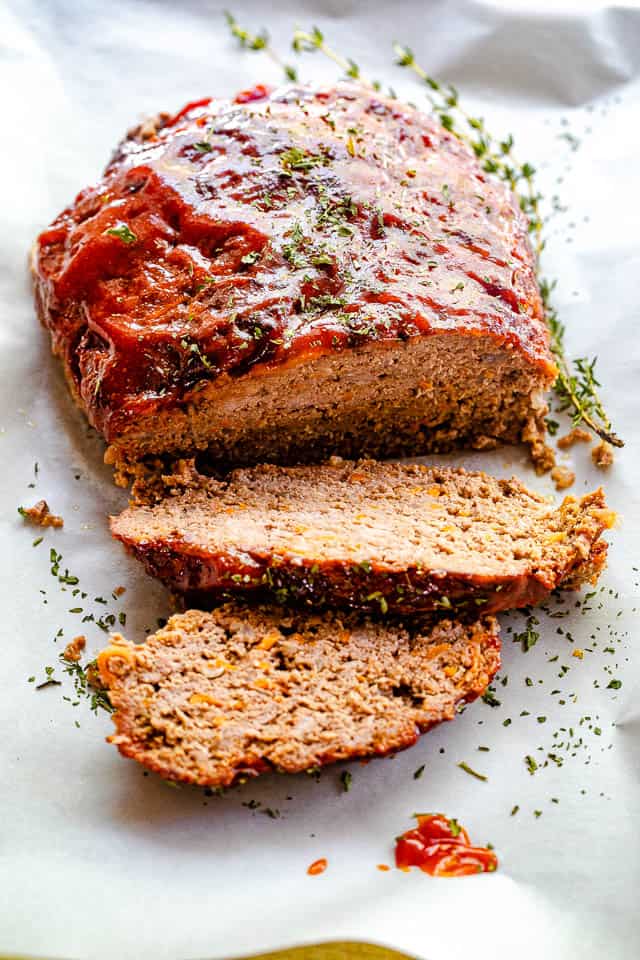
(571, 554)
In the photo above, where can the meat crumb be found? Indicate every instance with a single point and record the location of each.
(602, 455)
(562, 477)
(73, 650)
(577, 435)
(40, 515)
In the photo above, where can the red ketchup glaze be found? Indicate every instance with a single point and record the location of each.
(259, 92)
(441, 848)
(236, 236)
(192, 105)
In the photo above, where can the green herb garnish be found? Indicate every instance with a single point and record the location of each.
(123, 232)
(472, 772)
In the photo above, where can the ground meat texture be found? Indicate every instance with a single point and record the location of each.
(382, 537)
(562, 477)
(40, 515)
(602, 455)
(577, 435)
(306, 273)
(215, 697)
(73, 650)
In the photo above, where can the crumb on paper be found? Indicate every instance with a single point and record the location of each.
(119, 591)
(577, 435)
(73, 650)
(40, 515)
(602, 455)
(562, 477)
(578, 654)
(542, 455)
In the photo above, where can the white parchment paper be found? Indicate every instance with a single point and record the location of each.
(99, 861)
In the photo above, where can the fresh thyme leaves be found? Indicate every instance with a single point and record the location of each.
(259, 41)
(529, 637)
(490, 698)
(292, 251)
(418, 773)
(195, 351)
(85, 678)
(346, 778)
(472, 772)
(50, 680)
(577, 388)
(314, 41)
(123, 232)
(532, 766)
(85, 684)
(301, 160)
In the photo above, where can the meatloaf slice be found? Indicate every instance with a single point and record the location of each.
(295, 274)
(367, 535)
(213, 697)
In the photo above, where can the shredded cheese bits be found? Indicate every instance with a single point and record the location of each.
(317, 867)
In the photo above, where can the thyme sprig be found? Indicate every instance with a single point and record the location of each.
(314, 42)
(259, 41)
(576, 385)
(577, 388)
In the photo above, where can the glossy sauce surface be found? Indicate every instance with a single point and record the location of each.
(238, 235)
(441, 847)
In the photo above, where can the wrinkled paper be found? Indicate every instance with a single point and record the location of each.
(98, 860)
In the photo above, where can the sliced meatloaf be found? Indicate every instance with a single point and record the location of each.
(290, 275)
(214, 697)
(367, 535)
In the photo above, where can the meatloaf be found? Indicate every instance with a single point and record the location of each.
(365, 535)
(296, 274)
(216, 697)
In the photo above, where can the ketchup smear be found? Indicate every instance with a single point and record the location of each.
(441, 847)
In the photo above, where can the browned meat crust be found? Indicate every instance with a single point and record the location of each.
(213, 698)
(305, 273)
(40, 515)
(371, 536)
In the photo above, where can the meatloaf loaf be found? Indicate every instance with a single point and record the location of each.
(367, 535)
(216, 697)
(289, 275)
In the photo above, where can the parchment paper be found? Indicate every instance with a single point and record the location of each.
(98, 861)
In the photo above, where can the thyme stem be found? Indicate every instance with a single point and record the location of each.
(259, 41)
(313, 41)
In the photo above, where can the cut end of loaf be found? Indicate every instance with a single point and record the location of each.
(213, 698)
(444, 392)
